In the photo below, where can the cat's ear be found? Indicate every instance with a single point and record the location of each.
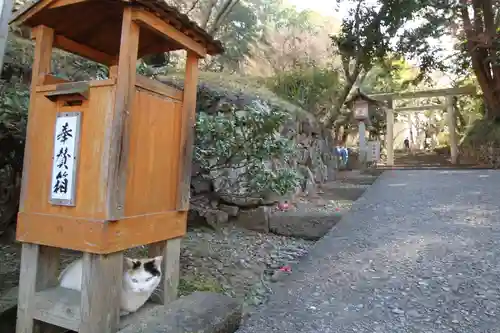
(158, 261)
(128, 263)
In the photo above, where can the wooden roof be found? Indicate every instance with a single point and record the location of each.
(358, 94)
(96, 24)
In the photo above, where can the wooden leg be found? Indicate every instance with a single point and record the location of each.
(101, 291)
(171, 252)
(39, 268)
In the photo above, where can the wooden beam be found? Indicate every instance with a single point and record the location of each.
(154, 49)
(467, 90)
(421, 108)
(69, 45)
(28, 10)
(151, 22)
(187, 131)
(44, 38)
(101, 291)
(158, 87)
(118, 136)
(62, 3)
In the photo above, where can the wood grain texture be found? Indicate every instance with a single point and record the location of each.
(61, 307)
(101, 290)
(158, 87)
(85, 51)
(98, 236)
(154, 144)
(171, 252)
(27, 283)
(150, 21)
(118, 138)
(91, 177)
(44, 38)
(39, 268)
(187, 133)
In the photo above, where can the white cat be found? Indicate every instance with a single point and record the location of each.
(140, 279)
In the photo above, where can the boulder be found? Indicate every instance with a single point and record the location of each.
(256, 219)
(200, 312)
(300, 224)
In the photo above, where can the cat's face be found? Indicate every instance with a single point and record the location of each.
(142, 275)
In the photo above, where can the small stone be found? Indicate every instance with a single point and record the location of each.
(398, 311)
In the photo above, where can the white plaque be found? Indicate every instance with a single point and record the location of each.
(373, 151)
(361, 110)
(64, 159)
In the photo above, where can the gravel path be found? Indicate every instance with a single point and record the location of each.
(419, 252)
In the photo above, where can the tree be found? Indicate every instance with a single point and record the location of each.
(480, 24)
(374, 31)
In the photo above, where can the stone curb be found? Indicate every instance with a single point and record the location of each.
(200, 312)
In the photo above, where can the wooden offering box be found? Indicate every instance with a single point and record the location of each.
(107, 163)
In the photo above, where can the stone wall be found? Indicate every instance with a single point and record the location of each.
(214, 202)
(481, 145)
(486, 154)
(217, 196)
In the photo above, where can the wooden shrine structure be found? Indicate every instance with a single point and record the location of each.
(447, 106)
(107, 163)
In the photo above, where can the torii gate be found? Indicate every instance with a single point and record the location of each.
(448, 93)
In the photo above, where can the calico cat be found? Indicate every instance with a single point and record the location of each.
(140, 279)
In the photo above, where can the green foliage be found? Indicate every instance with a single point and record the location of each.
(13, 120)
(247, 137)
(482, 132)
(311, 88)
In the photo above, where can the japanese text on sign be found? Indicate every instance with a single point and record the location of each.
(66, 139)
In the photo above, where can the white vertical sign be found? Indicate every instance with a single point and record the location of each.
(64, 159)
(374, 151)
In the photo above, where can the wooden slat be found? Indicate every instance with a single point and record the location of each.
(171, 252)
(467, 90)
(150, 21)
(61, 307)
(154, 148)
(187, 132)
(92, 84)
(28, 10)
(101, 292)
(62, 3)
(58, 306)
(71, 88)
(48, 79)
(98, 236)
(44, 38)
(158, 87)
(119, 140)
(71, 46)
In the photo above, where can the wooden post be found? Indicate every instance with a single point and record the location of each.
(39, 264)
(125, 91)
(101, 290)
(389, 141)
(187, 130)
(171, 252)
(102, 274)
(452, 129)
